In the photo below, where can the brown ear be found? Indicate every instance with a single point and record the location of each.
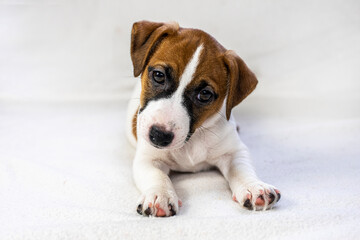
(241, 80)
(145, 37)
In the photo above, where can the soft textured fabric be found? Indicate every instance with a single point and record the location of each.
(66, 165)
(66, 174)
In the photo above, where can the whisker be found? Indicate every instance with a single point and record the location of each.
(202, 130)
(210, 131)
(222, 116)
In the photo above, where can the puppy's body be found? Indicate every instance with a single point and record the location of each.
(182, 120)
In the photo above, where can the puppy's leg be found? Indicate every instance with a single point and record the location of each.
(158, 194)
(247, 188)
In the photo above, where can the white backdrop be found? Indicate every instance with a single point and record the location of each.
(80, 49)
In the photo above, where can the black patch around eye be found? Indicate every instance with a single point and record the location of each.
(192, 106)
(203, 84)
(203, 94)
(159, 91)
(167, 71)
(189, 105)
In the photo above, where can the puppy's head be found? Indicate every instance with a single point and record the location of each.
(186, 76)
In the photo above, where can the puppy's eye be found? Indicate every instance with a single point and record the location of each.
(205, 95)
(158, 77)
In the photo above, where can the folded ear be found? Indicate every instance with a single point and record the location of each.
(241, 80)
(145, 37)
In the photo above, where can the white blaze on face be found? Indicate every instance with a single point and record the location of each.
(170, 113)
(188, 73)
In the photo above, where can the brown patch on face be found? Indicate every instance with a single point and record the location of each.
(134, 124)
(210, 70)
(145, 36)
(171, 57)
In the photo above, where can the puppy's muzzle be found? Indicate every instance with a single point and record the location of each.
(159, 136)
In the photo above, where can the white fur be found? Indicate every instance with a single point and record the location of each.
(216, 144)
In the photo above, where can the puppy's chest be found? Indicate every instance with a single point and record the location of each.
(192, 158)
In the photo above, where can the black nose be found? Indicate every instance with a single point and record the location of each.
(160, 137)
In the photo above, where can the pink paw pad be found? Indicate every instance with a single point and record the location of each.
(260, 201)
(160, 213)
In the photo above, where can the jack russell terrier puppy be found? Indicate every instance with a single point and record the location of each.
(179, 117)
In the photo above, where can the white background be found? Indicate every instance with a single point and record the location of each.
(80, 49)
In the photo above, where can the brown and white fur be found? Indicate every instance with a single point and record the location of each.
(179, 117)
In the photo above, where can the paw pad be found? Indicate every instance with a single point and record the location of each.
(158, 205)
(271, 198)
(139, 209)
(248, 204)
(160, 213)
(172, 210)
(278, 194)
(147, 212)
(257, 196)
(260, 201)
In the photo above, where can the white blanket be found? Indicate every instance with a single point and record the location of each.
(66, 174)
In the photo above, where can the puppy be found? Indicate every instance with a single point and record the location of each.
(179, 117)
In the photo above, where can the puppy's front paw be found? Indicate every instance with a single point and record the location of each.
(257, 196)
(159, 203)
